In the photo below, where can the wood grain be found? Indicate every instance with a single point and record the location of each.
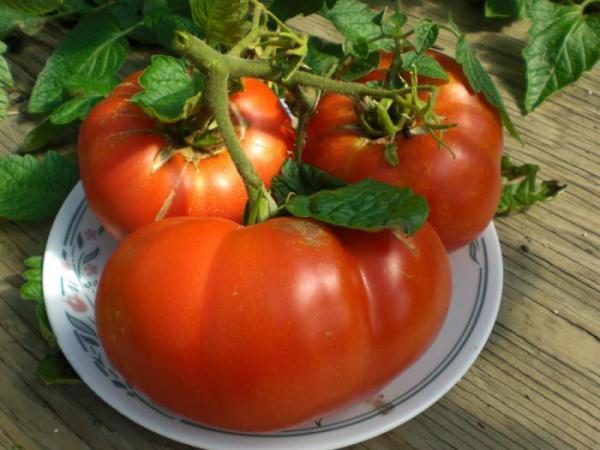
(537, 382)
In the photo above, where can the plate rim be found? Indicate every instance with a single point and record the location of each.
(73, 203)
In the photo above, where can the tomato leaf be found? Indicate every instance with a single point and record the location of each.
(33, 7)
(81, 85)
(41, 135)
(361, 67)
(521, 188)
(479, 79)
(75, 109)
(284, 9)
(426, 33)
(12, 20)
(301, 179)
(563, 43)
(426, 65)
(34, 189)
(356, 21)
(323, 57)
(55, 369)
(505, 8)
(163, 26)
(32, 290)
(171, 92)
(367, 205)
(6, 82)
(222, 21)
(95, 48)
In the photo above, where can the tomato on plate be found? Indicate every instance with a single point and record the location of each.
(462, 186)
(263, 327)
(133, 172)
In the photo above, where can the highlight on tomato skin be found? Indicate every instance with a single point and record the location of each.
(462, 185)
(264, 327)
(133, 173)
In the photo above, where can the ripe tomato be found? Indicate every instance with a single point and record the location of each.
(462, 187)
(128, 183)
(263, 327)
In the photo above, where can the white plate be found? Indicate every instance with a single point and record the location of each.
(78, 249)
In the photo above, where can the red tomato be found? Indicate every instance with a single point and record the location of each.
(463, 187)
(263, 327)
(120, 152)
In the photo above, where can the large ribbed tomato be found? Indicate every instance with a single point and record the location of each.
(133, 173)
(462, 187)
(262, 327)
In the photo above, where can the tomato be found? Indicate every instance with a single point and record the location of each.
(263, 327)
(128, 182)
(462, 187)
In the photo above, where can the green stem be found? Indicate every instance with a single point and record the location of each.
(253, 34)
(201, 53)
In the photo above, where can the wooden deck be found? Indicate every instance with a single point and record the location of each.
(535, 385)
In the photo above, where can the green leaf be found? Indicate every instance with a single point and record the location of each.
(6, 79)
(426, 65)
(301, 179)
(521, 188)
(284, 9)
(80, 85)
(55, 369)
(323, 57)
(355, 20)
(4, 104)
(12, 20)
(75, 109)
(426, 33)
(34, 189)
(368, 205)
(222, 21)
(563, 43)
(170, 92)
(95, 48)
(32, 290)
(361, 67)
(32, 7)
(479, 79)
(41, 135)
(163, 27)
(505, 8)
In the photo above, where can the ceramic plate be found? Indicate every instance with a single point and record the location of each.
(78, 249)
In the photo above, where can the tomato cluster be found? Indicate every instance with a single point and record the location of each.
(261, 327)
(462, 183)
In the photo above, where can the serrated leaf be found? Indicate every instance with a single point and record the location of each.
(75, 109)
(34, 189)
(426, 65)
(33, 7)
(426, 33)
(480, 81)
(323, 57)
(41, 135)
(163, 27)
(95, 48)
(170, 92)
(505, 8)
(563, 43)
(6, 79)
(361, 67)
(55, 369)
(222, 21)
(284, 9)
(4, 104)
(81, 85)
(301, 179)
(368, 205)
(355, 20)
(32, 287)
(521, 189)
(11, 20)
